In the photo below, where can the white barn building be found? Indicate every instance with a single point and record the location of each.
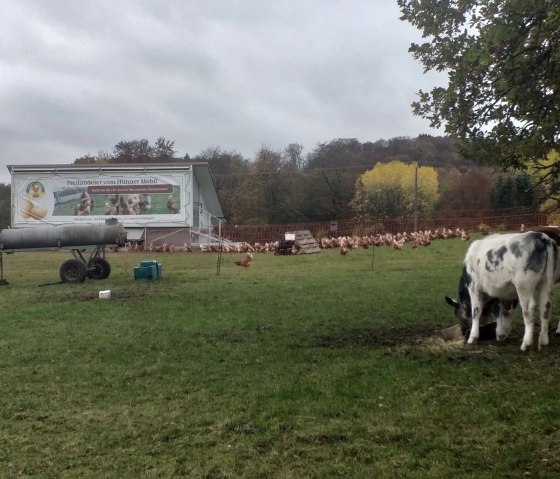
(174, 203)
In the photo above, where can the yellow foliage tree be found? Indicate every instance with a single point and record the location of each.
(388, 189)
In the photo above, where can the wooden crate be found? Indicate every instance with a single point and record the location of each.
(305, 243)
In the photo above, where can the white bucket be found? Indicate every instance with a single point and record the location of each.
(105, 294)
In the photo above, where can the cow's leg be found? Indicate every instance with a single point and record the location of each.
(545, 306)
(528, 304)
(503, 327)
(477, 307)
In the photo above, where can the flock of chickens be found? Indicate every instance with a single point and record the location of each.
(395, 241)
(344, 243)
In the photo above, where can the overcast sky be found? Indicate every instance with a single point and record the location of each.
(80, 76)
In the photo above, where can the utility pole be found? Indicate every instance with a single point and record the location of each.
(416, 197)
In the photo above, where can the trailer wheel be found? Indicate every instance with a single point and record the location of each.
(98, 268)
(73, 271)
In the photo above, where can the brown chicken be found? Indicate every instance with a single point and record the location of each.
(245, 262)
(172, 205)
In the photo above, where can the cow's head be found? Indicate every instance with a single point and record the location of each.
(462, 305)
(462, 313)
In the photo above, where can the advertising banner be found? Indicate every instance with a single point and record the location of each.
(135, 199)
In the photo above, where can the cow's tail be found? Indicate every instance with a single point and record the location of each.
(555, 260)
(552, 266)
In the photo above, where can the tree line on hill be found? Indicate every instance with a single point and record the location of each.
(341, 179)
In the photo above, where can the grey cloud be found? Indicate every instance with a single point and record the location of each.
(77, 77)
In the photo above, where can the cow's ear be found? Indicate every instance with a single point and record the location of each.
(451, 301)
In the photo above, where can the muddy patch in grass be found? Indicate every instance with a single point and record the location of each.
(374, 338)
(408, 339)
(402, 340)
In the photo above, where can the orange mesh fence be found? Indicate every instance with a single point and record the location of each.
(495, 221)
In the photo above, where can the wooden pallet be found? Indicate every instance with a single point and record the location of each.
(305, 243)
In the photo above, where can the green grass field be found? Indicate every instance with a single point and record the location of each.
(314, 366)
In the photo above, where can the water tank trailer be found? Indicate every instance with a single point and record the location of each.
(76, 238)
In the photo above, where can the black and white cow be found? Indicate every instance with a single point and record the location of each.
(499, 271)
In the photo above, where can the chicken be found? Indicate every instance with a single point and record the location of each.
(128, 208)
(111, 209)
(144, 204)
(245, 262)
(82, 209)
(398, 244)
(343, 250)
(172, 205)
